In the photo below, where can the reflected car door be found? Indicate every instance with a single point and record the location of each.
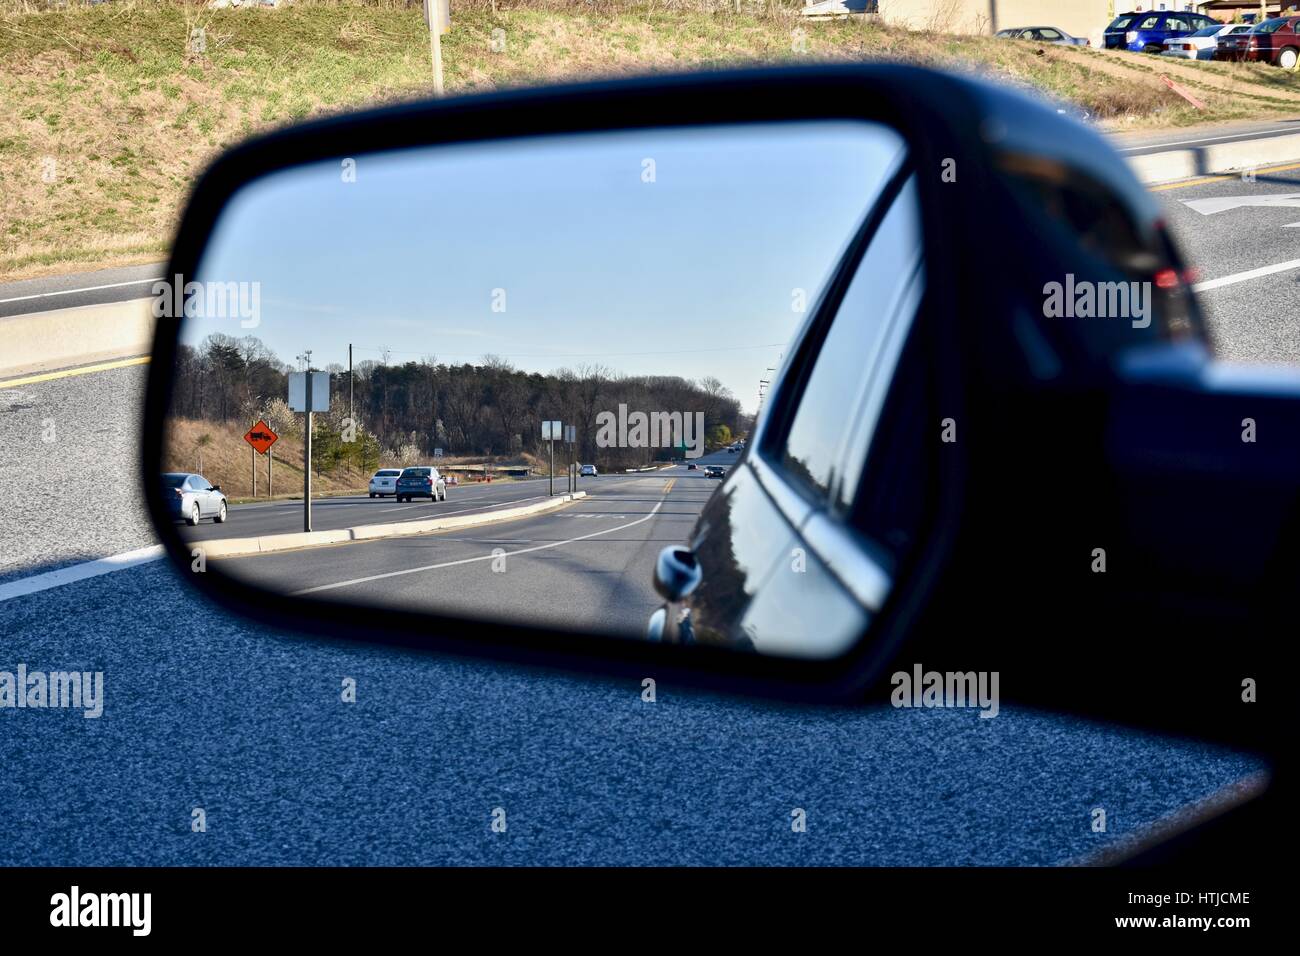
(784, 570)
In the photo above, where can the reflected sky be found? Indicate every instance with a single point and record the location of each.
(677, 252)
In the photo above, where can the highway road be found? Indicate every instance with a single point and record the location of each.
(328, 514)
(203, 709)
(588, 565)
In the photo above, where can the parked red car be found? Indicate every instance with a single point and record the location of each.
(1275, 41)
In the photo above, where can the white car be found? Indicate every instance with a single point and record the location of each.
(588, 471)
(1202, 44)
(384, 482)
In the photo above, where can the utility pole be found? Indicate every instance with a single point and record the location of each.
(253, 461)
(350, 418)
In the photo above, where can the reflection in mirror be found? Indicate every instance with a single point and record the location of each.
(520, 370)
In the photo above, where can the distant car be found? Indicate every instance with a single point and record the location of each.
(421, 481)
(1149, 32)
(732, 449)
(192, 497)
(1275, 41)
(384, 482)
(714, 471)
(451, 480)
(587, 471)
(1203, 44)
(1042, 35)
(691, 466)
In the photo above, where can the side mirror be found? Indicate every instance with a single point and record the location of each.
(677, 573)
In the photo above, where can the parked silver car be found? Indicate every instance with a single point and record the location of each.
(192, 497)
(384, 482)
(1042, 35)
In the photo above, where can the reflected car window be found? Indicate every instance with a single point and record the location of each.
(847, 364)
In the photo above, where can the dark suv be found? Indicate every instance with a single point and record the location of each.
(1147, 32)
(421, 481)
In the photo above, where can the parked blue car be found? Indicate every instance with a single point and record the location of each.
(1147, 32)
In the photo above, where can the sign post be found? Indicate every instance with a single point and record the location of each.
(570, 437)
(260, 439)
(551, 431)
(437, 16)
(309, 392)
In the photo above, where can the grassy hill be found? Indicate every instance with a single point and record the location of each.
(107, 112)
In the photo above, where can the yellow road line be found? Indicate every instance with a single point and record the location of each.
(67, 373)
(669, 487)
(1219, 179)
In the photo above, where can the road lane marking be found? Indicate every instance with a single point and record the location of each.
(67, 373)
(1219, 179)
(1247, 276)
(1228, 138)
(79, 572)
(89, 288)
(482, 557)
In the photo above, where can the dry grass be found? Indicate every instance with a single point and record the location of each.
(108, 112)
(226, 461)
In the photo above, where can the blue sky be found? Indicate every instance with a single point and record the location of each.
(691, 274)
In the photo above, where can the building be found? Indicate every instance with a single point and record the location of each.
(1230, 10)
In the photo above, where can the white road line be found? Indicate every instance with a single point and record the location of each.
(483, 557)
(1247, 276)
(1229, 138)
(89, 288)
(79, 572)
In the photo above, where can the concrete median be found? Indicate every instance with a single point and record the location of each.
(1172, 165)
(265, 544)
(43, 341)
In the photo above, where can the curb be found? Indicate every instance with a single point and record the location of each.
(268, 543)
(1175, 164)
(45, 341)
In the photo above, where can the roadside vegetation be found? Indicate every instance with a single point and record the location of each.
(479, 415)
(109, 111)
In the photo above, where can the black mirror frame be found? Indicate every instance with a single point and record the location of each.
(938, 116)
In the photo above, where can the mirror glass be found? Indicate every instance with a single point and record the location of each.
(534, 365)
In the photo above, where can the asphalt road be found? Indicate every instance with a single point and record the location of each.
(204, 710)
(77, 289)
(1252, 319)
(587, 566)
(1141, 142)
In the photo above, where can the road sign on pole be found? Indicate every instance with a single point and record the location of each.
(552, 432)
(319, 394)
(309, 392)
(261, 437)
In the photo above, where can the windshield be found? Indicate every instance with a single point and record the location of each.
(1269, 26)
(416, 473)
(1119, 23)
(387, 473)
(1207, 32)
(173, 481)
